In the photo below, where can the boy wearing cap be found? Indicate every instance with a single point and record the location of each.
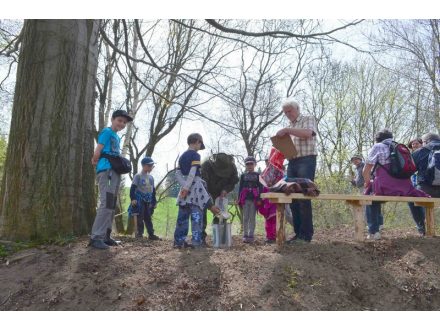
(143, 196)
(108, 180)
(193, 197)
(249, 192)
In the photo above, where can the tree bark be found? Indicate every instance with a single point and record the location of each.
(48, 185)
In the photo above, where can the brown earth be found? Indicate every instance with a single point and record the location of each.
(400, 272)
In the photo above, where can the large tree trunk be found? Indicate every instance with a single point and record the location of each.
(48, 184)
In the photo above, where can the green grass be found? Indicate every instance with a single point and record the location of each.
(165, 216)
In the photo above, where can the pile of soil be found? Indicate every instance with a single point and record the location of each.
(400, 272)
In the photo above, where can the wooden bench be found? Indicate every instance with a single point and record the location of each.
(357, 202)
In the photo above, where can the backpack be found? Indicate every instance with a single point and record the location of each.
(402, 164)
(433, 168)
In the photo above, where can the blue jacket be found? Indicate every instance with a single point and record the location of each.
(421, 160)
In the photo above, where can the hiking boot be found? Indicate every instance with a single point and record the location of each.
(98, 244)
(292, 239)
(154, 238)
(110, 241)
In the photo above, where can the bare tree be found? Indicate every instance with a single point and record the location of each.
(416, 44)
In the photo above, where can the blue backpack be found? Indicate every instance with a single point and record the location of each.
(433, 169)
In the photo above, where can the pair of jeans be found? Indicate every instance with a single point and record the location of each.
(374, 217)
(182, 226)
(302, 167)
(418, 214)
(145, 217)
(368, 216)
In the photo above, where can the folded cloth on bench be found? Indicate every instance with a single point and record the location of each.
(296, 185)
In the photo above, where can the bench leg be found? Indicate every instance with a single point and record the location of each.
(281, 225)
(359, 220)
(430, 223)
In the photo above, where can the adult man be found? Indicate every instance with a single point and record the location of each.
(431, 141)
(358, 180)
(303, 133)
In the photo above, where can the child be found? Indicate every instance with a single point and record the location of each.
(108, 180)
(222, 203)
(193, 196)
(143, 195)
(269, 211)
(249, 192)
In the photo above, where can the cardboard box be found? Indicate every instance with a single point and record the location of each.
(285, 145)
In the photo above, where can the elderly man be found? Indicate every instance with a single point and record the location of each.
(358, 180)
(431, 142)
(303, 133)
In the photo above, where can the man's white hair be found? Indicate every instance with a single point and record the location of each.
(290, 102)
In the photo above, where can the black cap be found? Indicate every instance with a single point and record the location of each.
(121, 113)
(193, 138)
(250, 159)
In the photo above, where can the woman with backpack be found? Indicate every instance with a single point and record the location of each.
(390, 177)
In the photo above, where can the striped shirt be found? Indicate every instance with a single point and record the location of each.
(305, 146)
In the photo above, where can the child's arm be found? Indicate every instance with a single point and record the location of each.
(189, 180)
(97, 154)
(179, 177)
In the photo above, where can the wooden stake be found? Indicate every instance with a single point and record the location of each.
(135, 221)
(281, 225)
(430, 222)
(359, 220)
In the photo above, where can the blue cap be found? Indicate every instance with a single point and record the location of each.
(147, 161)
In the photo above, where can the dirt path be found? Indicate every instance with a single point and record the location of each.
(400, 272)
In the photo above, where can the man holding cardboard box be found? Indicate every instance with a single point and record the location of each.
(302, 131)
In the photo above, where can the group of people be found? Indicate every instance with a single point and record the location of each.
(377, 164)
(194, 199)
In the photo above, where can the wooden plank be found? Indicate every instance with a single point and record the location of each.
(281, 225)
(283, 198)
(430, 222)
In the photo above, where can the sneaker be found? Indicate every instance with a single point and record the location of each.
(175, 246)
(188, 245)
(270, 241)
(98, 244)
(374, 237)
(154, 238)
(380, 227)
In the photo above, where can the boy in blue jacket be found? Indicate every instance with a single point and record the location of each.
(143, 196)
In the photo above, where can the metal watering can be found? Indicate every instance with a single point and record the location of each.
(222, 232)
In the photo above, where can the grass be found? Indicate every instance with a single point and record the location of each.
(165, 216)
(326, 214)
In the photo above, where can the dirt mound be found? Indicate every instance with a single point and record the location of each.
(401, 272)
